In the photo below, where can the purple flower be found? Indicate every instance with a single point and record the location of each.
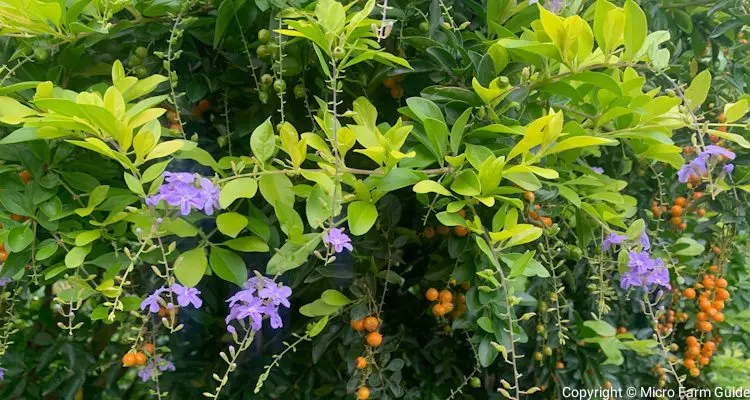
(186, 296)
(695, 167)
(2, 373)
(145, 372)
(338, 239)
(645, 271)
(276, 294)
(728, 168)
(554, 6)
(5, 281)
(598, 170)
(164, 365)
(209, 196)
(187, 191)
(613, 238)
(273, 313)
(714, 150)
(181, 177)
(640, 263)
(152, 300)
(629, 279)
(643, 240)
(260, 298)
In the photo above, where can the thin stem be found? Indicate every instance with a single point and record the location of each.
(508, 307)
(249, 336)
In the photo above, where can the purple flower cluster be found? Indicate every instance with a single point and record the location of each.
(554, 6)
(260, 298)
(337, 239)
(185, 297)
(159, 363)
(187, 191)
(645, 271)
(698, 166)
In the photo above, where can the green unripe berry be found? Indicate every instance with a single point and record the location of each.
(141, 52)
(279, 86)
(134, 61)
(222, 141)
(475, 382)
(540, 328)
(263, 97)
(266, 79)
(141, 72)
(194, 138)
(264, 35)
(299, 91)
(262, 51)
(40, 53)
(338, 53)
(547, 351)
(446, 26)
(538, 356)
(424, 27)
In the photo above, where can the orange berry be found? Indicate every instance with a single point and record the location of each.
(204, 105)
(716, 249)
(529, 196)
(446, 296)
(462, 213)
(676, 221)
(547, 221)
(140, 358)
(3, 255)
(676, 211)
(429, 232)
(397, 92)
(438, 310)
(718, 304)
(460, 231)
(722, 117)
(363, 393)
(704, 303)
(128, 360)
(689, 363)
(390, 83)
(560, 365)
(701, 212)
(149, 348)
(721, 283)
(689, 293)
(697, 195)
(374, 339)
(371, 324)
(713, 268)
(655, 210)
(361, 363)
(447, 306)
(704, 361)
(711, 311)
(358, 325)
(708, 283)
(25, 176)
(681, 201)
(719, 317)
(443, 230)
(722, 294)
(701, 316)
(693, 351)
(694, 372)
(534, 215)
(709, 345)
(431, 294)
(16, 217)
(682, 226)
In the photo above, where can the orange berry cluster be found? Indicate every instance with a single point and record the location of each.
(394, 84)
(373, 339)
(678, 210)
(668, 319)
(370, 324)
(534, 213)
(442, 230)
(444, 302)
(700, 353)
(132, 358)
